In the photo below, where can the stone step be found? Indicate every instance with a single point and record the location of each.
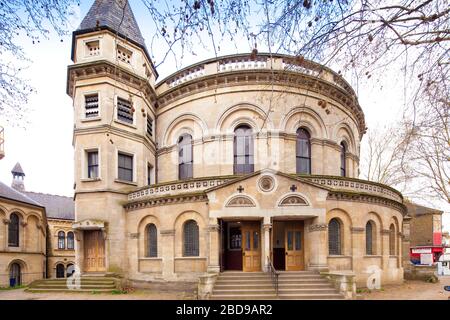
(243, 297)
(305, 285)
(325, 296)
(238, 286)
(36, 290)
(243, 278)
(83, 286)
(282, 291)
(243, 291)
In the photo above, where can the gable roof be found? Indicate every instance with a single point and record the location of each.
(57, 207)
(9, 193)
(115, 15)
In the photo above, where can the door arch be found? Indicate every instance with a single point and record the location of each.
(15, 275)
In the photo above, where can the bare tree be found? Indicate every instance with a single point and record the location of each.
(33, 19)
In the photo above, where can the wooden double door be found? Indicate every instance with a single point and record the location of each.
(94, 251)
(251, 246)
(294, 246)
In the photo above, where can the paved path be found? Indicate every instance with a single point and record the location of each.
(21, 294)
(412, 290)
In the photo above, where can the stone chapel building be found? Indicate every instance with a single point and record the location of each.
(235, 163)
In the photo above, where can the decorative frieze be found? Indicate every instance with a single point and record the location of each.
(165, 201)
(365, 198)
(318, 227)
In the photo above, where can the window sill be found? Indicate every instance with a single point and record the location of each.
(125, 123)
(151, 258)
(90, 179)
(338, 256)
(91, 119)
(132, 183)
(190, 258)
(372, 256)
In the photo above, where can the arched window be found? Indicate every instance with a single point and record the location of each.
(185, 161)
(303, 151)
(61, 240)
(70, 241)
(190, 239)
(334, 237)
(243, 150)
(60, 272)
(13, 230)
(343, 164)
(370, 238)
(392, 240)
(152, 240)
(15, 275)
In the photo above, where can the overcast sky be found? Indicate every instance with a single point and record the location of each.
(44, 146)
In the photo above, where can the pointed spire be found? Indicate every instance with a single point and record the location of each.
(17, 170)
(115, 15)
(18, 178)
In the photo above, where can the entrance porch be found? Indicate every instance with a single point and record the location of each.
(250, 245)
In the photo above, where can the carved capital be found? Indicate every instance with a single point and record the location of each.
(267, 226)
(318, 227)
(357, 230)
(23, 224)
(386, 231)
(170, 232)
(213, 227)
(134, 235)
(6, 221)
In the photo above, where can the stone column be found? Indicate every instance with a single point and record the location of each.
(23, 237)
(266, 230)
(79, 252)
(168, 253)
(385, 249)
(318, 245)
(358, 248)
(214, 248)
(4, 244)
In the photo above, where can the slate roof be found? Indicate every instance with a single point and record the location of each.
(418, 210)
(17, 170)
(56, 207)
(10, 193)
(116, 15)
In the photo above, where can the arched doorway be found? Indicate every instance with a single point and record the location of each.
(70, 270)
(60, 271)
(15, 277)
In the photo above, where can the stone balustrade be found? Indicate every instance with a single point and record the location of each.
(178, 187)
(236, 63)
(201, 184)
(356, 185)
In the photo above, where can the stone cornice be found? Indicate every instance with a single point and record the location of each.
(95, 69)
(264, 76)
(167, 200)
(366, 198)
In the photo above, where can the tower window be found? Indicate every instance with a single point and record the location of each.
(343, 164)
(125, 166)
(149, 174)
(91, 106)
(93, 48)
(149, 126)
(92, 159)
(243, 150)
(124, 110)
(13, 230)
(124, 54)
(185, 159)
(303, 151)
(61, 240)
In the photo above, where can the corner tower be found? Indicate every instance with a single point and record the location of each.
(111, 83)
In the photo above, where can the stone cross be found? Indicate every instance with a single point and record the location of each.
(293, 188)
(240, 189)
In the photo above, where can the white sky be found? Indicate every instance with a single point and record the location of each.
(44, 146)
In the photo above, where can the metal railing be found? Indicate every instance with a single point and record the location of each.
(273, 274)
